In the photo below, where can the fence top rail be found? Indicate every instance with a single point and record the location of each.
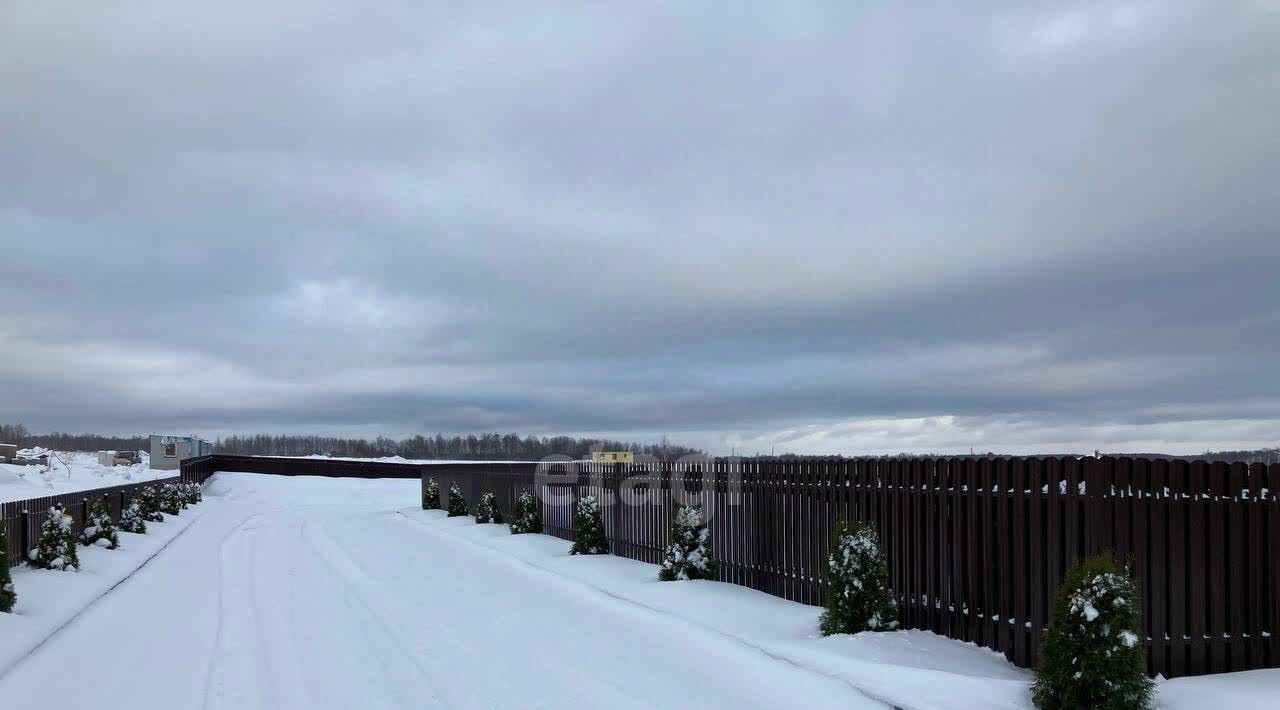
(797, 464)
(825, 461)
(230, 459)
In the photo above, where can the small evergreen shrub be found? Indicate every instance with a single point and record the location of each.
(457, 504)
(132, 519)
(192, 493)
(688, 553)
(858, 594)
(487, 509)
(56, 548)
(170, 499)
(149, 502)
(8, 595)
(431, 495)
(100, 529)
(588, 528)
(527, 517)
(1092, 655)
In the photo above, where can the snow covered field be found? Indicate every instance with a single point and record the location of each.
(309, 592)
(81, 472)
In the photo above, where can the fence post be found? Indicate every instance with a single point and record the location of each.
(26, 534)
(755, 494)
(1096, 537)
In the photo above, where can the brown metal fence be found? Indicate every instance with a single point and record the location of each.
(976, 547)
(23, 518)
(201, 468)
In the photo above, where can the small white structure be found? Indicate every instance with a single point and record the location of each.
(168, 451)
(118, 458)
(612, 457)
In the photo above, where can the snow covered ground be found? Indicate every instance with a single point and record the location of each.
(49, 599)
(308, 592)
(80, 472)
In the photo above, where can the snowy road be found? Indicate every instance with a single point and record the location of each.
(316, 593)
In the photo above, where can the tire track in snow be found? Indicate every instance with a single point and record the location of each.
(256, 659)
(354, 580)
(562, 641)
(456, 630)
(214, 667)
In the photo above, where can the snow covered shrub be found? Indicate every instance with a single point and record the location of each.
(1092, 656)
(688, 553)
(170, 499)
(7, 594)
(101, 529)
(131, 518)
(457, 504)
(149, 502)
(56, 548)
(858, 594)
(527, 517)
(431, 495)
(588, 528)
(192, 493)
(487, 510)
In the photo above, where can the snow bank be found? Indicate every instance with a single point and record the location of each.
(1246, 690)
(915, 669)
(49, 599)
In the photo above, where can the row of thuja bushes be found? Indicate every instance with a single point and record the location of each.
(1091, 657)
(56, 548)
(687, 556)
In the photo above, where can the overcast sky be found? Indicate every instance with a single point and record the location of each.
(841, 227)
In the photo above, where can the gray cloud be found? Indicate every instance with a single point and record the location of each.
(830, 226)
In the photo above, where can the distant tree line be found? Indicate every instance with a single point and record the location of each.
(510, 447)
(61, 441)
(492, 447)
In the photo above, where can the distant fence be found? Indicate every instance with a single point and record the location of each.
(23, 518)
(976, 547)
(199, 469)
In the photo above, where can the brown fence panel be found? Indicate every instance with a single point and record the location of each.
(22, 518)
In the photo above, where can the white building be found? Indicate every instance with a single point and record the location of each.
(168, 451)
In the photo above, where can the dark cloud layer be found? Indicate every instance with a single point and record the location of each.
(831, 227)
